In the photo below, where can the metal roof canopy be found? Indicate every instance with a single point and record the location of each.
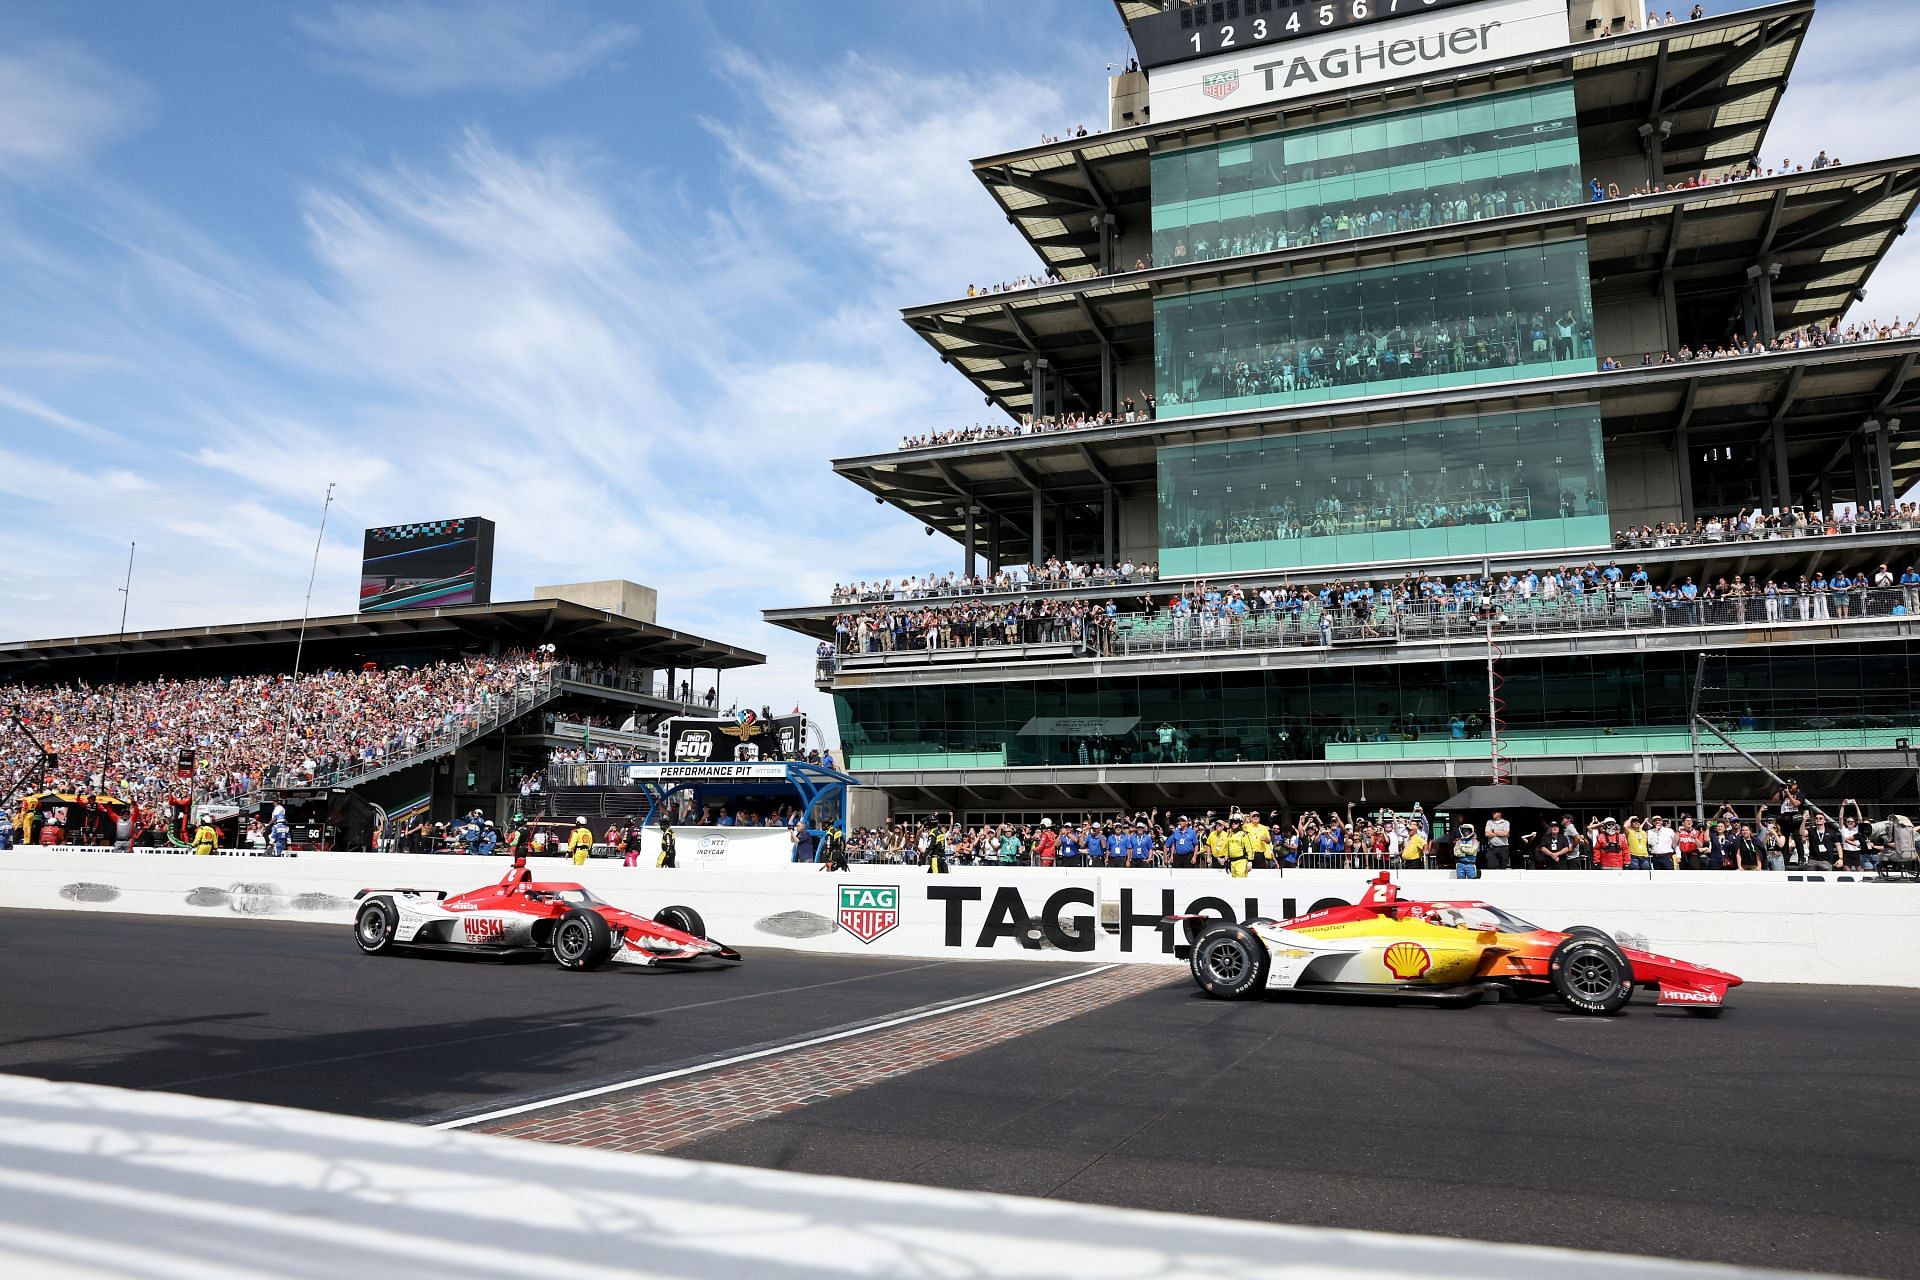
(1825, 231)
(1820, 396)
(1717, 81)
(580, 631)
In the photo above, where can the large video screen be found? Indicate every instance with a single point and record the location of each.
(427, 564)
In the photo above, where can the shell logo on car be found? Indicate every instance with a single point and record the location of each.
(1407, 960)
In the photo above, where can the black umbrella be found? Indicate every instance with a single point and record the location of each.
(1505, 795)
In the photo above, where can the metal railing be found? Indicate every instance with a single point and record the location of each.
(1730, 532)
(1111, 579)
(1312, 626)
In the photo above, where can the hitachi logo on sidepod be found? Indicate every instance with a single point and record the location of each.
(1338, 64)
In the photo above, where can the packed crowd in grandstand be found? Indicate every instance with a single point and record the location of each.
(247, 732)
(1053, 575)
(1786, 832)
(1547, 597)
(887, 629)
(1757, 526)
(1753, 345)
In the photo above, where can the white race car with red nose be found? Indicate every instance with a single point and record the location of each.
(519, 916)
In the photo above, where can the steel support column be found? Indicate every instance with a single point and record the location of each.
(1782, 472)
(1862, 487)
(993, 542)
(1039, 530)
(969, 546)
(1686, 472)
(1108, 518)
(1883, 460)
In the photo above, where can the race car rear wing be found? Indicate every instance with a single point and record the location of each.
(438, 894)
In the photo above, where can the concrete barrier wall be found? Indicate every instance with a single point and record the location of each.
(1767, 927)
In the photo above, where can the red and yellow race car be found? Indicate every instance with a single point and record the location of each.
(1455, 950)
(522, 916)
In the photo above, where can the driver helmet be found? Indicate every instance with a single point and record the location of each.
(580, 821)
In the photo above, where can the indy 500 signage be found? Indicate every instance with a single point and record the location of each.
(1346, 58)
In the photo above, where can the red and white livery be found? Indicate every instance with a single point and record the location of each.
(521, 916)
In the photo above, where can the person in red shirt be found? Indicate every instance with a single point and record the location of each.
(1049, 845)
(1610, 847)
(1689, 840)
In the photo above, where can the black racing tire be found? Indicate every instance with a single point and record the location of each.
(1229, 962)
(373, 926)
(1591, 931)
(581, 940)
(685, 919)
(1590, 976)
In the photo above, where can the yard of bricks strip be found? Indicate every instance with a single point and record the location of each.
(661, 1117)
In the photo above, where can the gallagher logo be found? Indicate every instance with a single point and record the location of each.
(1219, 84)
(1407, 960)
(869, 910)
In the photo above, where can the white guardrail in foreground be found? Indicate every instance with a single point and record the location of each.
(1764, 926)
(99, 1182)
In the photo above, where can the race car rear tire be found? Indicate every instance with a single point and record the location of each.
(1590, 976)
(582, 940)
(1592, 931)
(685, 919)
(1229, 962)
(373, 926)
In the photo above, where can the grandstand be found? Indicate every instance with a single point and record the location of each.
(1538, 306)
(426, 713)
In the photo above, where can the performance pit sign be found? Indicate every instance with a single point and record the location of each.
(1352, 54)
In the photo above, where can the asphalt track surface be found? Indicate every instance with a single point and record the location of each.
(294, 1015)
(1785, 1133)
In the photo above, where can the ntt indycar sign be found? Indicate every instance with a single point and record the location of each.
(1425, 44)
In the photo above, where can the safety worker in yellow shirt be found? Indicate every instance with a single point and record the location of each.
(205, 838)
(1217, 844)
(1259, 841)
(667, 848)
(1239, 857)
(580, 843)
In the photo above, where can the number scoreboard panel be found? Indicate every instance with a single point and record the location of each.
(427, 564)
(1310, 49)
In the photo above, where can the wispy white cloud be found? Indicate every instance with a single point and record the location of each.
(58, 106)
(422, 48)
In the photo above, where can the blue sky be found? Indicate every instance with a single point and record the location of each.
(622, 277)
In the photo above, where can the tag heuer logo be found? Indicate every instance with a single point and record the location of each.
(1220, 83)
(869, 910)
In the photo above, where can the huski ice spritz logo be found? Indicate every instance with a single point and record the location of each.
(1220, 83)
(869, 910)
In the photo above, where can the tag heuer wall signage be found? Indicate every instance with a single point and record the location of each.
(1344, 58)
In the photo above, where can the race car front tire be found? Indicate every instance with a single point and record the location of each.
(1590, 976)
(685, 919)
(582, 940)
(373, 926)
(1592, 931)
(1229, 962)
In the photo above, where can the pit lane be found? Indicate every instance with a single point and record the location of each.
(1780, 1134)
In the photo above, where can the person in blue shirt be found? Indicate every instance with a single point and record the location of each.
(1838, 586)
(1068, 854)
(1141, 853)
(1097, 849)
(1184, 840)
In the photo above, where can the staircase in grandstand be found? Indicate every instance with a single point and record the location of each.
(526, 697)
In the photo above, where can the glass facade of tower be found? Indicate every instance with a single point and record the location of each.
(1448, 322)
(1774, 699)
(1413, 170)
(1482, 485)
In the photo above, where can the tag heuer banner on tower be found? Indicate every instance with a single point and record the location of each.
(1424, 43)
(728, 739)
